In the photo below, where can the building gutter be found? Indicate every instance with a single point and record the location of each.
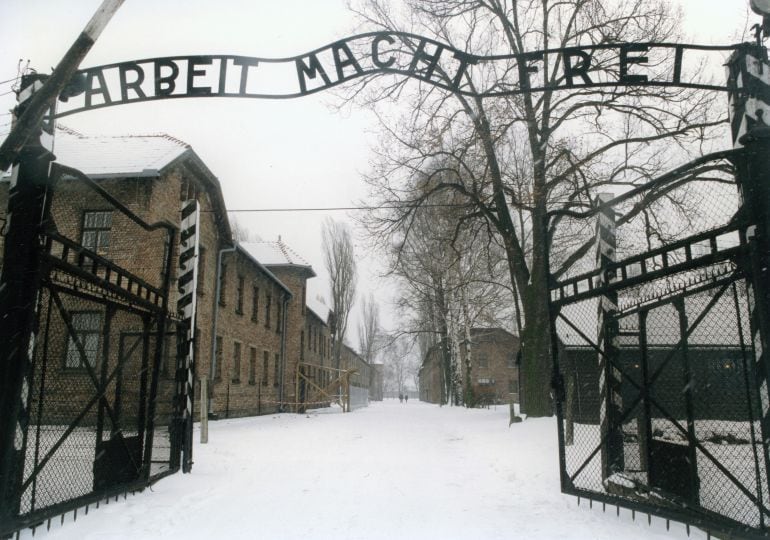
(213, 363)
(285, 312)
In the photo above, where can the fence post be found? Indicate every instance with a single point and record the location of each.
(754, 182)
(28, 204)
(749, 105)
(610, 381)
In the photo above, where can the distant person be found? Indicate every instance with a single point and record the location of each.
(406, 398)
(400, 398)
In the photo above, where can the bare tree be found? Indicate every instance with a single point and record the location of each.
(340, 262)
(241, 233)
(513, 159)
(369, 329)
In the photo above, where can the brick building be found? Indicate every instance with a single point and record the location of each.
(251, 336)
(494, 372)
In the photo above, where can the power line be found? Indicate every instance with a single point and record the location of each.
(10, 80)
(342, 208)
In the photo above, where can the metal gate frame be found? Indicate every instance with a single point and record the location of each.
(719, 270)
(40, 267)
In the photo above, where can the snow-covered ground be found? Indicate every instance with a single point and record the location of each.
(390, 471)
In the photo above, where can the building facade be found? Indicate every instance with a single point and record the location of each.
(494, 374)
(253, 326)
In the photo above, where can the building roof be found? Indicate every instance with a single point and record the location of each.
(262, 268)
(135, 156)
(318, 307)
(121, 156)
(277, 254)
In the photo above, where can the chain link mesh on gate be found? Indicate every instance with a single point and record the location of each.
(102, 387)
(652, 338)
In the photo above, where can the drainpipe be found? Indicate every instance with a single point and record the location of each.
(285, 312)
(213, 363)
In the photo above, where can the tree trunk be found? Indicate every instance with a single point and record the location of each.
(536, 400)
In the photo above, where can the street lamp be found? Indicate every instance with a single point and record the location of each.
(761, 7)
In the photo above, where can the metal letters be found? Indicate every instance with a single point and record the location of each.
(596, 66)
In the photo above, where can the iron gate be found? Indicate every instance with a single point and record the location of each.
(656, 363)
(102, 406)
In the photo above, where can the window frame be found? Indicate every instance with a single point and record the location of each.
(236, 367)
(79, 331)
(108, 230)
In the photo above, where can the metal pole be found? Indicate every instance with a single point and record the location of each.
(213, 363)
(27, 125)
(204, 409)
(754, 181)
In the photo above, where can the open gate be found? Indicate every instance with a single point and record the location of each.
(101, 404)
(662, 387)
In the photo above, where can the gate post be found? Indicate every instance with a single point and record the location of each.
(610, 401)
(28, 203)
(749, 73)
(754, 183)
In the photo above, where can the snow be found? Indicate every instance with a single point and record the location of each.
(388, 471)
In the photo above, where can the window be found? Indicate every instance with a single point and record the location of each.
(239, 296)
(252, 365)
(265, 367)
(302, 346)
(277, 367)
(236, 362)
(166, 249)
(88, 328)
(96, 231)
(483, 360)
(187, 190)
(512, 360)
(222, 283)
(486, 381)
(255, 303)
(219, 359)
(279, 318)
(304, 298)
(267, 311)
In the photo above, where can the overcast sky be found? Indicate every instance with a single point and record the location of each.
(267, 154)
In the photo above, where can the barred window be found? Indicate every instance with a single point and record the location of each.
(219, 358)
(255, 304)
(252, 365)
(236, 362)
(96, 231)
(277, 373)
(239, 296)
(483, 360)
(88, 328)
(265, 367)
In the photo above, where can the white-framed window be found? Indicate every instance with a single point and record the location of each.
(88, 329)
(97, 226)
(485, 381)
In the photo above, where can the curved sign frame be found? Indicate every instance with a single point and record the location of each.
(410, 55)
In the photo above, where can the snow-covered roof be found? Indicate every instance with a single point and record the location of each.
(276, 254)
(120, 155)
(267, 272)
(318, 306)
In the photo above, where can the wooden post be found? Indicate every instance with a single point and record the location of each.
(347, 391)
(296, 390)
(204, 410)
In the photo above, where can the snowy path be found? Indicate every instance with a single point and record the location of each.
(391, 471)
